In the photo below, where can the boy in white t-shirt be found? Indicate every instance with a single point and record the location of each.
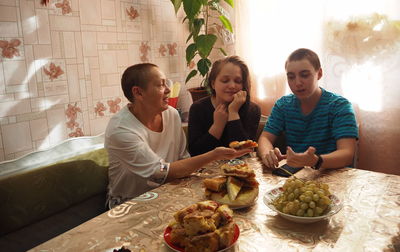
(145, 140)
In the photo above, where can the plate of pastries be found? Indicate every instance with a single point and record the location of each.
(203, 226)
(237, 187)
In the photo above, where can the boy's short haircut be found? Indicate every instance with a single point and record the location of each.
(304, 53)
(136, 75)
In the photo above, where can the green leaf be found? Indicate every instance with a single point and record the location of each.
(219, 8)
(189, 37)
(197, 24)
(205, 44)
(223, 51)
(230, 2)
(177, 4)
(190, 52)
(192, 8)
(225, 21)
(204, 66)
(191, 75)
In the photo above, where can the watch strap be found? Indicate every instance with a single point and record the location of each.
(318, 163)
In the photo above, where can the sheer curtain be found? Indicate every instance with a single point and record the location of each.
(359, 46)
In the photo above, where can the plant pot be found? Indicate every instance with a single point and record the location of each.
(198, 93)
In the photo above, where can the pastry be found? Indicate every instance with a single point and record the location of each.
(204, 226)
(238, 188)
(243, 144)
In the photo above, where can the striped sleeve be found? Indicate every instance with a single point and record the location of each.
(344, 123)
(276, 121)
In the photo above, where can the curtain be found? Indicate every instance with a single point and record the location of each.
(359, 46)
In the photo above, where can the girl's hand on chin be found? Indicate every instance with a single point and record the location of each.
(220, 115)
(238, 100)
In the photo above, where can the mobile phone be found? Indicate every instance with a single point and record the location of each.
(292, 170)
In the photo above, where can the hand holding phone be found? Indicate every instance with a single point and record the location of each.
(280, 172)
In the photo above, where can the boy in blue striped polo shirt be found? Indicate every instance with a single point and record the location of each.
(320, 126)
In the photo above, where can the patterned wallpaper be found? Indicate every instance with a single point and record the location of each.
(60, 65)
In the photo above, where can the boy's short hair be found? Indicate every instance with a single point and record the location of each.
(304, 53)
(136, 75)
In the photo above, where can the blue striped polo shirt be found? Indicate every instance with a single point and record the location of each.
(332, 119)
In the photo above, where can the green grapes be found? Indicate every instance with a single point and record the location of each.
(306, 199)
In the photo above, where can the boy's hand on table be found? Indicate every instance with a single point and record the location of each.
(272, 158)
(307, 158)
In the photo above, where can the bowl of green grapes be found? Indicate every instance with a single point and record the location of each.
(303, 201)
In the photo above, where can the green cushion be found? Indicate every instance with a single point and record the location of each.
(35, 194)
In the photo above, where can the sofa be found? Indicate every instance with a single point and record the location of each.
(46, 193)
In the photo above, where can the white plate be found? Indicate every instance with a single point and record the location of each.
(334, 208)
(167, 240)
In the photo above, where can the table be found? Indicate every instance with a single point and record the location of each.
(369, 220)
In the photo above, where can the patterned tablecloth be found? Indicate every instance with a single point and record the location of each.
(369, 220)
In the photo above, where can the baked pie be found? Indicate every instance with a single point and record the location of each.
(243, 144)
(237, 188)
(204, 226)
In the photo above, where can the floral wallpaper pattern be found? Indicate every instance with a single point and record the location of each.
(113, 105)
(100, 108)
(172, 49)
(144, 50)
(162, 50)
(132, 13)
(72, 115)
(64, 6)
(9, 49)
(53, 72)
(61, 63)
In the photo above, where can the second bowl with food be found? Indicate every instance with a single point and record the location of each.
(303, 201)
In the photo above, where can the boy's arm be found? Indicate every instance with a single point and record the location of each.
(341, 157)
(265, 143)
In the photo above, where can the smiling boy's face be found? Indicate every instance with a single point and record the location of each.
(303, 78)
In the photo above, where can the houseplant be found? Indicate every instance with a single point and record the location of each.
(201, 16)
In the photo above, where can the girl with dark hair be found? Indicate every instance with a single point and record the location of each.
(228, 114)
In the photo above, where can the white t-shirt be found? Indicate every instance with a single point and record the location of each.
(139, 157)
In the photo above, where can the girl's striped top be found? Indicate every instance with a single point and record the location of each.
(332, 119)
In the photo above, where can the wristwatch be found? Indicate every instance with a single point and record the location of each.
(318, 163)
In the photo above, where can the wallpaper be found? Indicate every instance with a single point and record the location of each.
(60, 65)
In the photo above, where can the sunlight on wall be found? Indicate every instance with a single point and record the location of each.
(55, 136)
(5, 108)
(33, 68)
(276, 28)
(272, 36)
(30, 24)
(343, 9)
(363, 85)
